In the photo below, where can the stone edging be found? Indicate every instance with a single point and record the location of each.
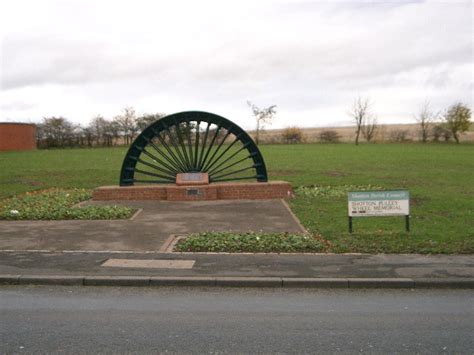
(275, 282)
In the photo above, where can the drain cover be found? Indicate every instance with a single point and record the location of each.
(150, 263)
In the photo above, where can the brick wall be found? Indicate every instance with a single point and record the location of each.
(17, 136)
(216, 191)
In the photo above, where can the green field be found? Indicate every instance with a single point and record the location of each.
(438, 176)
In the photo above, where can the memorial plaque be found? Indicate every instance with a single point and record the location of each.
(192, 179)
(193, 192)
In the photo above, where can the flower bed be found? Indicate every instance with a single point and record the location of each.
(57, 204)
(251, 242)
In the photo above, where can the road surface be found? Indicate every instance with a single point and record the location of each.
(37, 319)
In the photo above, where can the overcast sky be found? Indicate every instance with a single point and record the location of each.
(81, 58)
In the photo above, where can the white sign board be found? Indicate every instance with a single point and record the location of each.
(379, 203)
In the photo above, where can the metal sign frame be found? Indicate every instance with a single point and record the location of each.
(371, 198)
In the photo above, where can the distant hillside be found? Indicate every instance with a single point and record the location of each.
(385, 133)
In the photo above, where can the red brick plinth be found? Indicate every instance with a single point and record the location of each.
(215, 191)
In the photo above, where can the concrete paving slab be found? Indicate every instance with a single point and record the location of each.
(150, 228)
(149, 264)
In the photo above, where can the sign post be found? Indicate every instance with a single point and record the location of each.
(379, 203)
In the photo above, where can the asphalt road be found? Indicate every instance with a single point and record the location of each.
(190, 320)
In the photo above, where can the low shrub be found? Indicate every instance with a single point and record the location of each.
(292, 135)
(440, 132)
(400, 135)
(332, 191)
(329, 136)
(251, 242)
(56, 204)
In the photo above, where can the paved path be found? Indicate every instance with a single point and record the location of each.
(143, 320)
(435, 267)
(79, 249)
(150, 228)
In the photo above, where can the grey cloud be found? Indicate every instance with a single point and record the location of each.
(298, 55)
(49, 60)
(17, 106)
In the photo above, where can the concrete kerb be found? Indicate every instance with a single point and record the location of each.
(116, 281)
(51, 280)
(381, 283)
(275, 282)
(182, 281)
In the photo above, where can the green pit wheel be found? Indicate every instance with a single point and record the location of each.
(191, 142)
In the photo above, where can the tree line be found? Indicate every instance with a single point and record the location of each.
(432, 126)
(60, 132)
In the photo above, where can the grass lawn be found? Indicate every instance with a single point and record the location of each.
(438, 176)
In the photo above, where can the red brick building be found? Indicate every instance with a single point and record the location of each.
(17, 136)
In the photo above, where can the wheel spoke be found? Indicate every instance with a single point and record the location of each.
(170, 151)
(175, 145)
(196, 146)
(151, 181)
(203, 145)
(171, 175)
(169, 158)
(217, 150)
(229, 158)
(182, 144)
(237, 178)
(211, 164)
(216, 133)
(153, 174)
(229, 166)
(234, 172)
(190, 144)
(170, 165)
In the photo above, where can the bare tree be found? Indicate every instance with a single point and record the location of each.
(360, 112)
(262, 116)
(127, 124)
(147, 119)
(87, 137)
(57, 132)
(97, 127)
(113, 131)
(369, 127)
(425, 119)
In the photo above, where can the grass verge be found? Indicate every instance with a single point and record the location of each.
(438, 176)
(251, 242)
(57, 204)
